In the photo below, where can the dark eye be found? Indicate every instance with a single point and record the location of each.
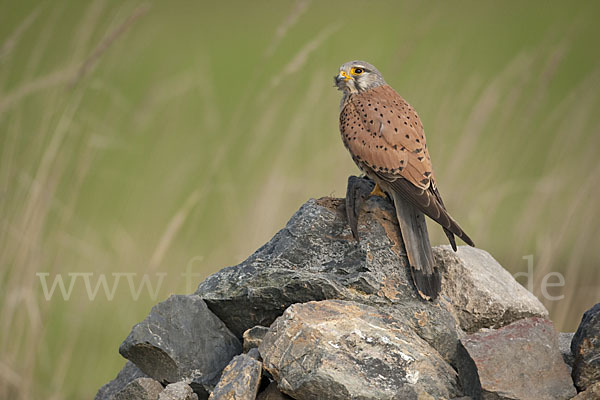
(358, 71)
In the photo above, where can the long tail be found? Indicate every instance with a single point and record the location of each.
(430, 202)
(425, 273)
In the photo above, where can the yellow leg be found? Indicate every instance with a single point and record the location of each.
(377, 191)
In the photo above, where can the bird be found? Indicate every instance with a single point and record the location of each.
(386, 140)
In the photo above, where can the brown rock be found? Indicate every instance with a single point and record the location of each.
(591, 393)
(253, 336)
(140, 389)
(336, 349)
(240, 379)
(518, 361)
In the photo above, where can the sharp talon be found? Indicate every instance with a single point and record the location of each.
(377, 192)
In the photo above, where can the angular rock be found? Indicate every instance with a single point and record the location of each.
(483, 293)
(240, 379)
(140, 389)
(253, 336)
(315, 257)
(128, 374)
(518, 361)
(253, 352)
(591, 393)
(340, 350)
(272, 393)
(586, 349)
(181, 339)
(564, 345)
(178, 391)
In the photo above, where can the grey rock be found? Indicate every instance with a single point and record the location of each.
(178, 391)
(483, 293)
(336, 349)
(272, 393)
(253, 336)
(140, 389)
(585, 347)
(591, 393)
(127, 374)
(315, 258)
(518, 361)
(181, 339)
(564, 345)
(253, 352)
(240, 379)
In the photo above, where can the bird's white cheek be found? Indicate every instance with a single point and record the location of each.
(352, 86)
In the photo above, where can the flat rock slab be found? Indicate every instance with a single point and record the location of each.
(484, 294)
(337, 349)
(585, 347)
(178, 391)
(128, 374)
(240, 379)
(181, 339)
(140, 389)
(518, 361)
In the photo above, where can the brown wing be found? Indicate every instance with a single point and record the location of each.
(386, 138)
(383, 131)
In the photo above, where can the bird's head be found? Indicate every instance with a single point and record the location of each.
(358, 76)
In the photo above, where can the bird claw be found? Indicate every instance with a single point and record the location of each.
(357, 191)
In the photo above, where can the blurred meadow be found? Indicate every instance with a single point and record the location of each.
(172, 137)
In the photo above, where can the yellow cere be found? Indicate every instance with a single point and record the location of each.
(345, 75)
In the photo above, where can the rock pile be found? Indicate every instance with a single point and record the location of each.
(315, 315)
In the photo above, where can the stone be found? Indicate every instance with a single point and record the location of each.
(585, 347)
(315, 257)
(254, 353)
(564, 345)
(253, 336)
(518, 361)
(591, 393)
(178, 391)
(140, 389)
(181, 339)
(127, 374)
(240, 380)
(335, 349)
(272, 393)
(477, 286)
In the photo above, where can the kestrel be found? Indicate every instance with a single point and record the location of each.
(385, 138)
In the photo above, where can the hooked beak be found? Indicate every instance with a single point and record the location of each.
(341, 79)
(343, 76)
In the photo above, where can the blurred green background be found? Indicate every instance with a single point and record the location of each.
(165, 137)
